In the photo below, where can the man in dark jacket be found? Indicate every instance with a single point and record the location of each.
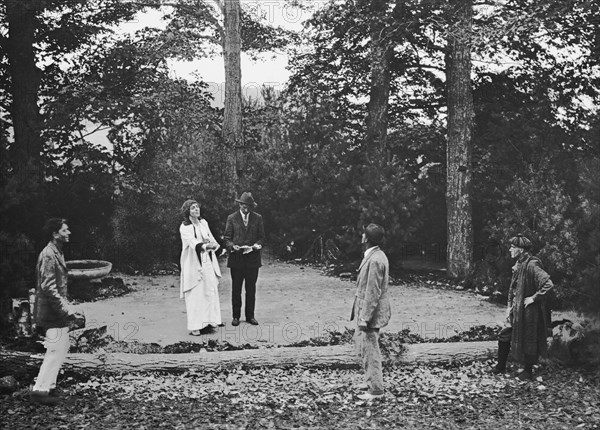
(526, 327)
(52, 309)
(244, 236)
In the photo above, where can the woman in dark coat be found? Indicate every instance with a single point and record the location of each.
(526, 328)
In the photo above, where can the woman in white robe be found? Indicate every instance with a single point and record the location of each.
(200, 271)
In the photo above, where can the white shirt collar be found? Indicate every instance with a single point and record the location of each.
(369, 251)
(244, 216)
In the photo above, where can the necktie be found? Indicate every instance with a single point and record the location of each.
(246, 220)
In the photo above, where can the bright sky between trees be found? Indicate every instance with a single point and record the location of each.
(268, 70)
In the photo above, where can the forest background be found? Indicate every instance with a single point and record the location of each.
(376, 123)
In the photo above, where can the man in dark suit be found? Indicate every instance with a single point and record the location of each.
(372, 309)
(244, 235)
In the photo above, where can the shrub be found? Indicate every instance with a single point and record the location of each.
(540, 209)
(587, 281)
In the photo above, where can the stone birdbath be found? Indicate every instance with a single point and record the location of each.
(85, 277)
(88, 269)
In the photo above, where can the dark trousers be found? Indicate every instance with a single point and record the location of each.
(247, 275)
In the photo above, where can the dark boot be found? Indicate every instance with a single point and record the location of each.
(527, 373)
(503, 351)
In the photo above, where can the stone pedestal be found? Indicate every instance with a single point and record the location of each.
(21, 316)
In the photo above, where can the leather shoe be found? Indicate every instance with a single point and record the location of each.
(369, 396)
(43, 398)
(235, 322)
(497, 370)
(363, 386)
(252, 321)
(207, 330)
(525, 376)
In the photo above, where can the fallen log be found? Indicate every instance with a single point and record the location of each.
(325, 356)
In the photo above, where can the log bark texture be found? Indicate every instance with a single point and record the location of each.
(321, 356)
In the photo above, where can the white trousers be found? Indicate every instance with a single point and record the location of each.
(57, 346)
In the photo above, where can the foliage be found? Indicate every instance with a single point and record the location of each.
(473, 334)
(539, 208)
(195, 29)
(330, 338)
(96, 81)
(336, 64)
(576, 344)
(523, 124)
(388, 198)
(97, 341)
(162, 150)
(418, 396)
(62, 29)
(17, 256)
(587, 281)
(307, 166)
(86, 291)
(533, 123)
(186, 162)
(298, 168)
(305, 148)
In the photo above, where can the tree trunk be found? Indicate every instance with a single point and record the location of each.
(319, 356)
(459, 146)
(25, 80)
(381, 55)
(232, 122)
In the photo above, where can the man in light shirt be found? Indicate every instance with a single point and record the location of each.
(372, 309)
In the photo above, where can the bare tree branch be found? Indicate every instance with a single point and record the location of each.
(422, 66)
(189, 8)
(97, 129)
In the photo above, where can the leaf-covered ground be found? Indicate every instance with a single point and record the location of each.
(463, 396)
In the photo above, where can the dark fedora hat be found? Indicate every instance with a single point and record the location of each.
(247, 199)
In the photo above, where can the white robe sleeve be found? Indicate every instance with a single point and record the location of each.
(208, 236)
(191, 270)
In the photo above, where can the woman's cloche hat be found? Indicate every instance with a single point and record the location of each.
(520, 241)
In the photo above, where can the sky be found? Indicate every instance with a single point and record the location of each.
(269, 70)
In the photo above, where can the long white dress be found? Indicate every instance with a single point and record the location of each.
(199, 278)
